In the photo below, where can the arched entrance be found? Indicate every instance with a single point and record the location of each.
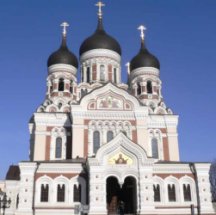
(121, 200)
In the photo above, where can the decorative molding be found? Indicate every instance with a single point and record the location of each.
(100, 53)
(62, 68)
(144, 71)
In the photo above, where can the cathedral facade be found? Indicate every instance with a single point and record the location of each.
(100, 146)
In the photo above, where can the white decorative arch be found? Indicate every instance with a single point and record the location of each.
(105, 126)
(160, 110)
(160, 181)
(188, 181)
(62, 180)
(113, 90)
(156, 133)
(76, 181)
(55, 133)
(172, 180)
(121, 144)
(43, 180)
(106, 164)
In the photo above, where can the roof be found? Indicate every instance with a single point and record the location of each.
(100, 40)
(13, 173)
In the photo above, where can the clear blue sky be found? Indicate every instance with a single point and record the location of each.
(181, 33)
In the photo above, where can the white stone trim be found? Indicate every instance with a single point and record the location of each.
(156, 133)
(188, 181)
(172, 181)
(100, 53)
(144, 71)
(55, 133)
(62, 68)
(53, 183)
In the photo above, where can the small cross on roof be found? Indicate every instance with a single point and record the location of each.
(100, 5)
(64, 26)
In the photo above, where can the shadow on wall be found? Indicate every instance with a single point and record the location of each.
(212, 178)
(214, 206)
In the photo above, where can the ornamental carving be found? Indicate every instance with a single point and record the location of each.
(110, 102)
(120, 158)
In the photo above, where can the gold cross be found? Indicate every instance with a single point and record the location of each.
(64, 25)
(142, 28)
(100, 5)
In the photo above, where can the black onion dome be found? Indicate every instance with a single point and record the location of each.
(63, 55)
(144, 59)
(100, 40)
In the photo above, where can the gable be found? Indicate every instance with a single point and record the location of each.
(121, 151)
(109, 97)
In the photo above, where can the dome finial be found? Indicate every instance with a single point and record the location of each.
(100, 4)
(64, 26)
(142, 29)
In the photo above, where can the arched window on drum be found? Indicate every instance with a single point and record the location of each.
(109, 136)
(154, 147)
(96, 141)
(149, 87)
(58, 147)
(102, 72)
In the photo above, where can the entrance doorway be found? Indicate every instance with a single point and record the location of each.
(121, 200)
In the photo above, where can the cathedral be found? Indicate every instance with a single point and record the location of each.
(101, 146)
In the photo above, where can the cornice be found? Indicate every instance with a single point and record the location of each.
(100, 53)
(144, 71)
(169, 168)
(57, 119)
(162, 121)
(61, 167)
(95, 114)
(62, 68)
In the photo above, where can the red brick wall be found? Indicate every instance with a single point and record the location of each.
(134, 136)
(110, 72)
(54, 175)
(94, 72)
(177, 175)
(47, 150)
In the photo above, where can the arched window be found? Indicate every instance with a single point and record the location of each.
(17, 201)
(51, 89)
(149, 87)
(58, 149)
(157, 193)
(96, 141)
(115, 75)
(154, 146)
(61, 84)
(139, 89)
(77, 193)
(187, 192)
(88, 75)
(71, 87)
(44, 193)
(171, 193)
(102, 72)
(83, 92)
(60, 193)
(82, 74)
(109, 136)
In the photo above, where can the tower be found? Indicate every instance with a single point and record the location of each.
(61, 93)
(100, 58)
(144, 80)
